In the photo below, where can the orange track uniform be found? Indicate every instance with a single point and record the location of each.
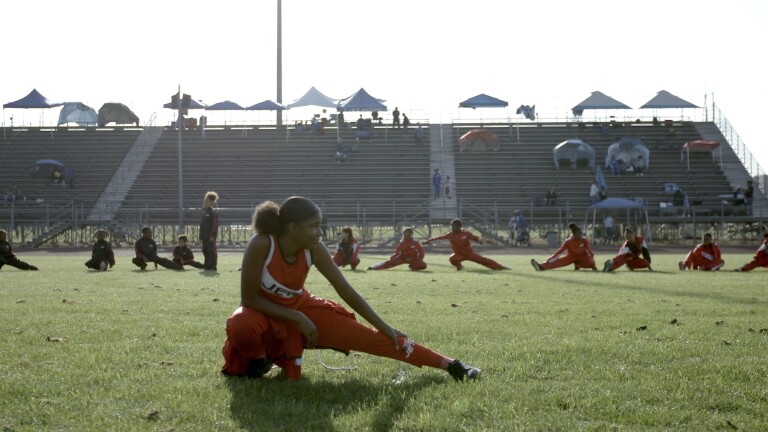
(760, 259)
(634, 256)
(462, 250)
(579, 253)
(253, 335)
(347, 254)
(704, 258)
(408, 252)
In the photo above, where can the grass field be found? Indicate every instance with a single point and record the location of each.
(561, 350)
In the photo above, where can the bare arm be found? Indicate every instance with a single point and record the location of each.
(251, 294)
(325, 265)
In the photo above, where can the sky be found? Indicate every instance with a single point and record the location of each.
(422, 56)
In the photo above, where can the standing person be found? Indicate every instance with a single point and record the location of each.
(705, 256)
(594, 192)
(409, 251)
(146, 252)
(406, 122)
(610, 230)
(579, 253)
(182, 254)
(447, 188)
(347, 250)
(760, 259)
(603, 194)
(461, 247)
(102, 256)
(634, 253)
(396, 119)
(437, 181)
(278, 318)
(419, 134)
(209, 228)
(8, 257)
(518, 230)
(749, 193)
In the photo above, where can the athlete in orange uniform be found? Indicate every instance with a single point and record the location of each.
(760, 259)
(278, 318)
(462, 247)
(409, 251)
(705, 256)
(634, 253)
(579, 253)
(347, 250)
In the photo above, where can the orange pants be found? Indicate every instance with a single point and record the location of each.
(394, 262)
(338, 258)
(695, 263)
(252, 335)
(456, 260)
(632, 261)
(755, 263)
(581, 262)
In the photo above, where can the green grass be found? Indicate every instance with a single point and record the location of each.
(560, 351)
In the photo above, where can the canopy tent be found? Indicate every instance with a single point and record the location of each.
(479, 139)
(33, 100)
(665, 99)
(361, 101)
(574, 150)
(598, 100)
(628, 149)
(78, 112)
(223, 106)
(613, 204)
(266, 105)
(700, 146)
(114, 112)
(313, 97)
(483, 101)
(193, 104)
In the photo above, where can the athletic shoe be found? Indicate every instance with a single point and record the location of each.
(459, 371)
(33, 268)
(607, 266)
(536, 265)
(738, 269)
(103, 266)
(681, 266)
(371, 268)
(257, 368)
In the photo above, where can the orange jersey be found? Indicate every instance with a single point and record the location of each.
(762, 251)
(409, 250)
(575, 248)
(633, 249)
(281, 282)
(460, 241)
(709, 253)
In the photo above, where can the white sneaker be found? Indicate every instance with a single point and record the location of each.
(681, 266)
(103, 266)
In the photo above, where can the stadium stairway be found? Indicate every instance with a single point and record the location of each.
(442, 209)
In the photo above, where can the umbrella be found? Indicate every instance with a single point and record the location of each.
(46, 167)
(479, 139)
(574, 150)
(628, 149)
(78, 112)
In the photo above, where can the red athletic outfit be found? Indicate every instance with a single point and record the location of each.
(635, 256)
(408, 252)
(253, 335)
(760, 259)
(346, 253)
(704, 258)
(462, 250)
(579, 253)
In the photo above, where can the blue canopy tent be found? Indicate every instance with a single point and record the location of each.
(574, 150)
(361, 101)
(193, 104)
(665, 99)
(483, 101)
(597, 100)
(613, 204)
(266, 105)
(224, 106)
(313, 97)
(33, 100)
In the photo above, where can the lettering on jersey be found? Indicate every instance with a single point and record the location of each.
(280, 291)
(407, 348)
(707, 256)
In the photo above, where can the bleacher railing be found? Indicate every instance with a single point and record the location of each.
(739, 147)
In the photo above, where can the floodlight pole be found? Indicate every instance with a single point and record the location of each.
(179, 123)
(279, 120)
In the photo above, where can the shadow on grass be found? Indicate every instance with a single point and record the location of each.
(649, 287)
(277, 404)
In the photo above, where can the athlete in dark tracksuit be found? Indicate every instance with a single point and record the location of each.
(8, 257)
(102, 255)
(182, 254)
(209, 227)
(146, 252)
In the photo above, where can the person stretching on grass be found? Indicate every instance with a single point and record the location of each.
(409, 251)
(347, 250)
(760, 259)
(278, 318)
(182, 254)
(634, 253)
(705, 256)
(579, 253)
(146, 252)
(462, 247)
(8, 257)
(102, 256)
